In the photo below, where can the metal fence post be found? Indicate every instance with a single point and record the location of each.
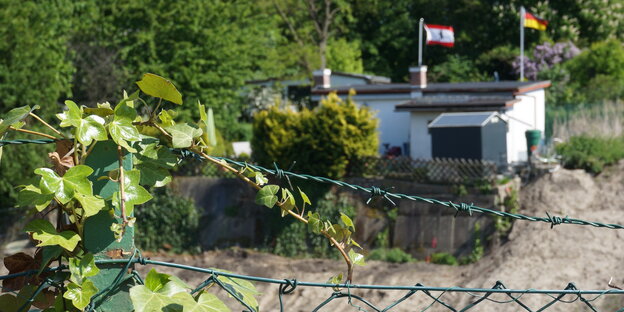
(99, 239)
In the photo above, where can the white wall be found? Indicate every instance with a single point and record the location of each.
(528, 114)
(420, 144)
(394, 127)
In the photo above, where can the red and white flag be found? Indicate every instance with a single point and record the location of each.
(439, 34)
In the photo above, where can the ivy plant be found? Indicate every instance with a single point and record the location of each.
(145, 130)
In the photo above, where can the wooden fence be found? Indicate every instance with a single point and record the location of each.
(440, 170)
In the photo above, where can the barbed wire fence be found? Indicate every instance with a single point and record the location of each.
(344, 291)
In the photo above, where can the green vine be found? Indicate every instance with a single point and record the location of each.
(148, 138)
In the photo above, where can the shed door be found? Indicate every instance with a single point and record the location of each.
(456, 142)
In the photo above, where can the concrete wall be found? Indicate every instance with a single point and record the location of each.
(228, 215)
(418, 224)
(234, 220)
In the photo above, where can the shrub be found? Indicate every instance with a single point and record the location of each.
(591, 153)
(322, 141)
(168, 221)
(395, 255)
(478, 250)
(443, 258)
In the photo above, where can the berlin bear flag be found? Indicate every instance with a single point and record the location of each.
(439, 34)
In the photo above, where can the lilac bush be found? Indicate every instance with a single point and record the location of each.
(545, 56)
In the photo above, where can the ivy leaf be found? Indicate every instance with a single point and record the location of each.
(267, 195)
(48, 253)
(76, 178)
(356, 258)
(155, 281)
(260, 178)
(153, 175)
(14, 116)
(339, 232)
(304, 197)
(10, 302)
(145, 300)
(43, 231)
(159, 87)
(206, 302)
(102, 110)
(183, 135)
(166, 117)
(90, 204)
(72, 117)
(91, 128)
(244, 289)
(156, 294)
(336, 279)
(135, 194)
(124, 112)
(347, 221)
(80, 295)
(288, 201)
(123, 131)
(314, 222)
(32, 195)
(121, 128)
(154, 162)
(82, 268)
(74, 181)
(51, 183)
(129, 99)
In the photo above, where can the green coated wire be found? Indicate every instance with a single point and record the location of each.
(25, 141)
(418, 287)
(498, 288)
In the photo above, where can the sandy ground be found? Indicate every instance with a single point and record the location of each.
(535, 256)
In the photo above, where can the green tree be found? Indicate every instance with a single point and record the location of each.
(598, 73)
(34, 40)
(456, 69)
(207, 48)
(35, 69)
(314, 29)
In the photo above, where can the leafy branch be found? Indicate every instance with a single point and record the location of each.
(68, 187)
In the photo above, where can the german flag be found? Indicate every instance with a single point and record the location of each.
(532, 21)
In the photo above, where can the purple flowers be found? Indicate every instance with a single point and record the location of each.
(545, 56)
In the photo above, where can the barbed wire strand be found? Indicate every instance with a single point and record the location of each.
(460, 207)
(379, 192)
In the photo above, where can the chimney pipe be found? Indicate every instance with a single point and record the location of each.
(322, 78)
(418, 76)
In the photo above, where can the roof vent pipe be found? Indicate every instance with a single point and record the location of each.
(322, 78)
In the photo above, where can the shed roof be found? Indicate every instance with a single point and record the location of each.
(450, 103)
(474, 119)
(513, 87)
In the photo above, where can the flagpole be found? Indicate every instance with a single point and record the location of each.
(522, 14)
(420, 29)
